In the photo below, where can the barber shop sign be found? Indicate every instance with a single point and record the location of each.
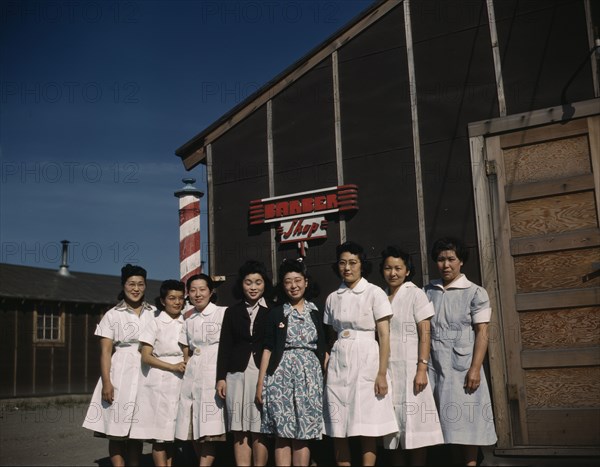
(303, 216)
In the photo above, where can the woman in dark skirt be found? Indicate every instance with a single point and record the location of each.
(240, 352)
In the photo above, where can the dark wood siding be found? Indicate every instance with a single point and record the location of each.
(377, 138)
(537, 41)
(240, 171)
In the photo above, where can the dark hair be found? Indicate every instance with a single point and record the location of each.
(165, 288)
(449, 243)
(209, 283)
(130, 270)
(252, 267)
(295, 265)
(355, 249)
(396, 252)
(126, 272)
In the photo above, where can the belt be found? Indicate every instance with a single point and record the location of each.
(198, 349)
(356, 334)
(127, 347)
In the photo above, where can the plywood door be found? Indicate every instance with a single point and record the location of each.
(547, 241)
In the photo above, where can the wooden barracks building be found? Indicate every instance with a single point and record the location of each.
(426, 118)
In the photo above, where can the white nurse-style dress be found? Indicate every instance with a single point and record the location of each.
(158, 390)
(417, 415)
(351, 407)
(199, 404)
(123, 326)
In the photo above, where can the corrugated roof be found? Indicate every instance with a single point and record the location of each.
(31, 283)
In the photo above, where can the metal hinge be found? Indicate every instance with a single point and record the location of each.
(490, 168)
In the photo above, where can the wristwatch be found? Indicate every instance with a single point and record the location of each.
(422, 360)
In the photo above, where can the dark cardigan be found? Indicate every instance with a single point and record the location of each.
(236, 343)
(276, 334)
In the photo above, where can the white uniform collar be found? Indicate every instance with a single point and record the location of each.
(165, 318)
(123, 306)
(459, 283)
(209, 310)
(404, 285)
(360, 287)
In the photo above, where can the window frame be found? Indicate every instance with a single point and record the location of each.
(51, 311)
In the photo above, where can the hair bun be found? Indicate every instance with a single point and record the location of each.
(130, 270)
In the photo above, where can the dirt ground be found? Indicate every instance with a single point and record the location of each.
(39, 432)
(47, 431)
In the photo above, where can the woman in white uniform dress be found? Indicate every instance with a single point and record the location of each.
(410, 342)
(459, 341)
(357, 398)
(200, 416)
(113, 407)
(162, 372)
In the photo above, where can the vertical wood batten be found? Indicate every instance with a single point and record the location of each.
(211, 210)
(271, 175)
(594, 138)
(16, 352)
(489, 276)
(497, 59)
(339, 161)
(592, 42)
(85, 353)
(416, 141)
(69, 329)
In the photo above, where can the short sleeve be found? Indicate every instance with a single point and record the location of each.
(328, 312)
(106, 327)
(422, 308)
(381, 304)
(148, 334)
(183, 335)
(481, 311)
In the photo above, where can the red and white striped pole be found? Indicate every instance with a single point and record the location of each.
(189, 229)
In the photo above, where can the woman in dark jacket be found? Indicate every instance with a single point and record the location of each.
(290, 382)
(240, 351)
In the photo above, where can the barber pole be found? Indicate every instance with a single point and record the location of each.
(189, 229)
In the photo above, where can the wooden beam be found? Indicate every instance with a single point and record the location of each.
(286, 79)
(416, 139)
(16, 352)
(194, 159)
(506, 291)
(558, 186)
(583, 238)
(337, 125)
(544, 134)
(558, 299)
(534, 118)
(489, 277)
(211, 210)
(550, 451)
(594, 139)
(558, 358)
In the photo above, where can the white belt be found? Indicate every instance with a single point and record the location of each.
(132, 347)
(198, 350)
(356, 334)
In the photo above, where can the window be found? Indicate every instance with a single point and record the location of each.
(49, 324)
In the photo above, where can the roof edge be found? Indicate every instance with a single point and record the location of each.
(192, 152)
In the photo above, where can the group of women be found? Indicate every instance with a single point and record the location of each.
(401, 368)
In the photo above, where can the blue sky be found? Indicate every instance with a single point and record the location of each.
(96, 96)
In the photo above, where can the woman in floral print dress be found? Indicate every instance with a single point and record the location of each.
(290, 382)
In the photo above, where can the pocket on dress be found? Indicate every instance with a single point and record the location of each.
(461, 357)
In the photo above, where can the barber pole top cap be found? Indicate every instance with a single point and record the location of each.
(189, 189)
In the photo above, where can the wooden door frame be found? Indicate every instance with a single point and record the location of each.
(509, 417)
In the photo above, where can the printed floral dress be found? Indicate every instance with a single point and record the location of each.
(293, 394)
